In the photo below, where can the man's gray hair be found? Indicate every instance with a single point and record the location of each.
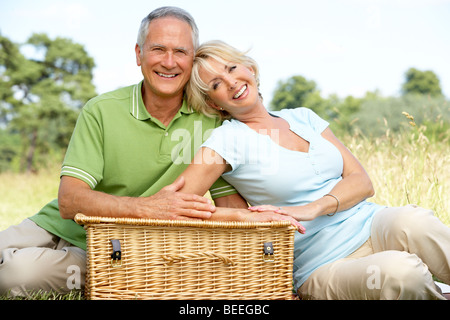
(167, 11)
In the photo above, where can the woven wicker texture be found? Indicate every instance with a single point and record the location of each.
(163, 259)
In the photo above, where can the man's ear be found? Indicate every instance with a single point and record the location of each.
(137, 49)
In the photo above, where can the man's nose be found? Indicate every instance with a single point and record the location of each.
(168, 60)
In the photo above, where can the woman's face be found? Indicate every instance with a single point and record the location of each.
(231, 85)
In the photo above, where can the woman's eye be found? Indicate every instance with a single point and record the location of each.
(215, 86)
(232, 68)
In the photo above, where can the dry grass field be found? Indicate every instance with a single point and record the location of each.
(404, 169)
(407, 169)
(23, 195)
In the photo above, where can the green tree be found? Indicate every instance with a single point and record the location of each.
(40, 96)
(421, 82)
(297, 92)
(342, 112)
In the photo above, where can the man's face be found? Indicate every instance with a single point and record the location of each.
(166, 57)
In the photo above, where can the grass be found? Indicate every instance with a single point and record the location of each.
(404, 168)
(407, 169)
(23, 195)
(73, 295)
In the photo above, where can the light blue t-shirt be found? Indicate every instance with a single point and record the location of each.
(263, 172)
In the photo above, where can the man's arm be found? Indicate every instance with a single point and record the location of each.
(75, 196)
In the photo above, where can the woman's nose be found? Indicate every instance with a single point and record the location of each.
(231, 82)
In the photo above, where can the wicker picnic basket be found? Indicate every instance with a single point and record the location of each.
(174, 259)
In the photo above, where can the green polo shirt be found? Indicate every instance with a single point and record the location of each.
(118, 148)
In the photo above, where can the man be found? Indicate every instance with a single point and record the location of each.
(127, 149)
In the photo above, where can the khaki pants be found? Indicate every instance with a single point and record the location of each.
(407, 245)
(33, 259)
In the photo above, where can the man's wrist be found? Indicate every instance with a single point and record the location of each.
(129, 207)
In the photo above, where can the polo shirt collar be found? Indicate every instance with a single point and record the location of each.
(138, 110)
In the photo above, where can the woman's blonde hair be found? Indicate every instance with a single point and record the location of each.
(197, 90)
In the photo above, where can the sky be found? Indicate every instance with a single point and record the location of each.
(348, 47)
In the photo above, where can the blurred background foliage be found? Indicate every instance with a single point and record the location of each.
(45, 82)
(374, 115)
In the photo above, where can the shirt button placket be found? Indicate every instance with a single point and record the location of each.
(313, 162)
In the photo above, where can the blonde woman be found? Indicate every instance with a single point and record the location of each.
(290, 162)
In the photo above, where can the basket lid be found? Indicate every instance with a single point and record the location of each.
(86, 220)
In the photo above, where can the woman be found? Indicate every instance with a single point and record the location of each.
(290, 162)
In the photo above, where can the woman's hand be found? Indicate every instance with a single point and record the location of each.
(299, 213)
(271, 215)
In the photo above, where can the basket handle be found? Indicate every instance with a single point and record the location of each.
(172, 258)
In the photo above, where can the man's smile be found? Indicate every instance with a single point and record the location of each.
(167, 75)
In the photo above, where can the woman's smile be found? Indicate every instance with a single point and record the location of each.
(240, 93)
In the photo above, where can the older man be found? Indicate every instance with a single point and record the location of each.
(127, 149)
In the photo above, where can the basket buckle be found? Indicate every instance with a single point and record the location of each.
(116, 256)
(268, 255)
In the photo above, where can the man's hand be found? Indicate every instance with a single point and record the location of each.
(168, 203)
(76, 196)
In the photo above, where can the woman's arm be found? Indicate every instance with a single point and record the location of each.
(354, 187)
(231, 201)
(206, 167)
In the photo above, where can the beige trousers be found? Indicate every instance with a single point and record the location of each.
(33, 259)
(407, 245)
